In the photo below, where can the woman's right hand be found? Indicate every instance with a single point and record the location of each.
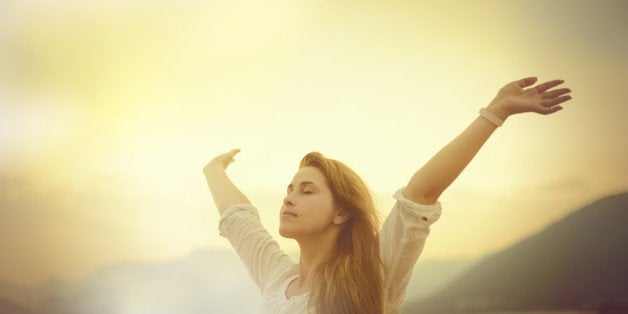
(224, 192)
(221, 161)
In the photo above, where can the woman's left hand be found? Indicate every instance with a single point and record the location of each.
(514, 98)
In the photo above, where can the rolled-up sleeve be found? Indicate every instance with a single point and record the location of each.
(402, 239)
(259, 252)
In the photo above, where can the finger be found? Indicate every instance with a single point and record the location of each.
(547, 85)
(555, 93)
(555, 101)
(551, 110)
(525, 82)
(234, 151)
(230, 155)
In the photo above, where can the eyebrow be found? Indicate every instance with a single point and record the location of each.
(301, 184)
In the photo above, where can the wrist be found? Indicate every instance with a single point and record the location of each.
(212, 170)
(498, 111)
(495, 117)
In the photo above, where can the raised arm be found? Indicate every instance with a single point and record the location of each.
(224, 192)
(429, 182)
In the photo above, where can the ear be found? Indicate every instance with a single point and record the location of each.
(341, 216)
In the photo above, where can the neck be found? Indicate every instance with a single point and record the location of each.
(314, 252)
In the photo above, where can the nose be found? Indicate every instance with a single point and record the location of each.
(288, 200)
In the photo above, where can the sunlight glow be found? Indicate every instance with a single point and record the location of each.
(110, 110)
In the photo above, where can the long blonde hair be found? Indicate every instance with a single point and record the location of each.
(351, 282)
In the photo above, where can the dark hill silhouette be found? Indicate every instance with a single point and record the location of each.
(577, 263)
(7, 307)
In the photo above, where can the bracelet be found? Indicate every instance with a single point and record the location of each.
(491, 117)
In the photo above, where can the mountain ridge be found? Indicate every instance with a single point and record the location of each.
(577, 262)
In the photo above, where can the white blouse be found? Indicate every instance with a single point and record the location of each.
(401, 241)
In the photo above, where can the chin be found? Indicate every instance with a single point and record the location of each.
(286, 233)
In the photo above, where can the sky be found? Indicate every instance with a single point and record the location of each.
(109, 110)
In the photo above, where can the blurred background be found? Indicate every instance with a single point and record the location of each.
(109, 109)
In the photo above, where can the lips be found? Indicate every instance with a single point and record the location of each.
(288, 213)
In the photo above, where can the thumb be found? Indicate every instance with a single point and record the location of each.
(525, 82)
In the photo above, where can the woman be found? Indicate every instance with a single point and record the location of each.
(347, 264)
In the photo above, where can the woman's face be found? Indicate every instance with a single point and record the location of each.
(308, 208)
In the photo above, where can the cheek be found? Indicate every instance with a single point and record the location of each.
(319, 214)
(320, 208)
